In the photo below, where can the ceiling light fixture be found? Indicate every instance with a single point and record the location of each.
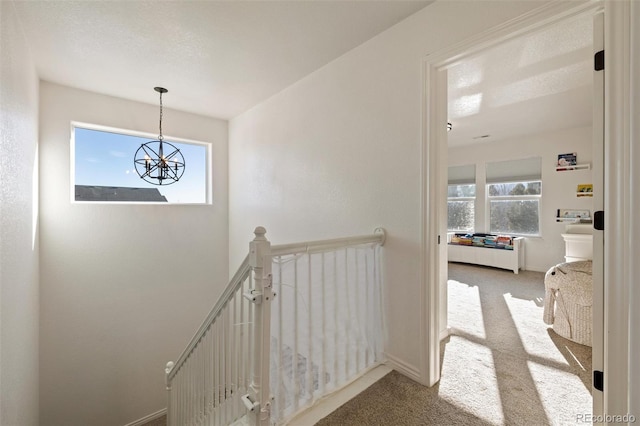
(449, 127)
(159, 162)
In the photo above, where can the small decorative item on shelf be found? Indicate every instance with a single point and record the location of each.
(575, 216)
(566, 160)
(585, 190)
(569, 161)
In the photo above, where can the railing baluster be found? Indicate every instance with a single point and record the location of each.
(216, 375)
(190, 399)
(234, 361)
(348, 312)
(368, 287)
(323, 364)
(336, 330)
(250, 335)
(177, 397)
(220, 369)
(380, 327)
(194, 374)
(280, 342)
(176, 392)
(187, 391)
(228, 401)
(294, 355)
(241, 345)
(227, 373)
(196, 387)
(357, 301)
(310, 320)
(183, 395)
(221, 361)
(201, 385)
(206, 362)
(212, 374)
(202, 348)
(242, 314)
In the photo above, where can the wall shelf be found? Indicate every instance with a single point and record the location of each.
(573, 167)
(584, 220)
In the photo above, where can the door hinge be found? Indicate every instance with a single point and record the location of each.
(598, 61)
(598, 220)
(598, 380)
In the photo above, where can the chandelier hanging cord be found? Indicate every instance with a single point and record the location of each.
(160, 90)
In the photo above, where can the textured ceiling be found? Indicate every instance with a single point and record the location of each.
(220, 58)
(538, 83)
(217, 58)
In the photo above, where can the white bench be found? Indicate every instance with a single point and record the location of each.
(497, 258)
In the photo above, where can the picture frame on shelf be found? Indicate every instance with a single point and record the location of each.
(567, 160)
(585, 190)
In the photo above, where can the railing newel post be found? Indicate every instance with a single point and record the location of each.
(259, 400)
(167, 371)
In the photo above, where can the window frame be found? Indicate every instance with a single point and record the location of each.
(527, 197)
(208, 186)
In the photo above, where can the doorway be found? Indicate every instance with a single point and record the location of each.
(436, 155)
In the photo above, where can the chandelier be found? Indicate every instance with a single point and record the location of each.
(159, 162)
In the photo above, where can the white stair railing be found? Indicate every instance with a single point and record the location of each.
(207, 382)
(327, 330)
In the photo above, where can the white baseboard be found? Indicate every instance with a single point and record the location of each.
(148, 418)
(402, 367)
(445, 333)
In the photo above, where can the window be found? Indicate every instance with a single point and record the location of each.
(461, 198)
(103, 169)
(461, 208)
(514, 189)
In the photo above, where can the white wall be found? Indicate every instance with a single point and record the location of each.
(123, 287)
(339, 153)
(18, 233)
(558, 188)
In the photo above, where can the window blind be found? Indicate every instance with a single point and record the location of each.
(528, 169)
(462, 175)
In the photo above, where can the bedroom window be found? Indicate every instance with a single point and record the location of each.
(461, 198)
(103, 170)
(461, 208)
(514, 191)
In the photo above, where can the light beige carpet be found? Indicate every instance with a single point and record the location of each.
(161, 421)
(501, 365)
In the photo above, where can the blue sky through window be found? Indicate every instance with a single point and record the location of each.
(106, 159)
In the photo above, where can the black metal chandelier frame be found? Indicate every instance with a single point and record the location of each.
(154, 162)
